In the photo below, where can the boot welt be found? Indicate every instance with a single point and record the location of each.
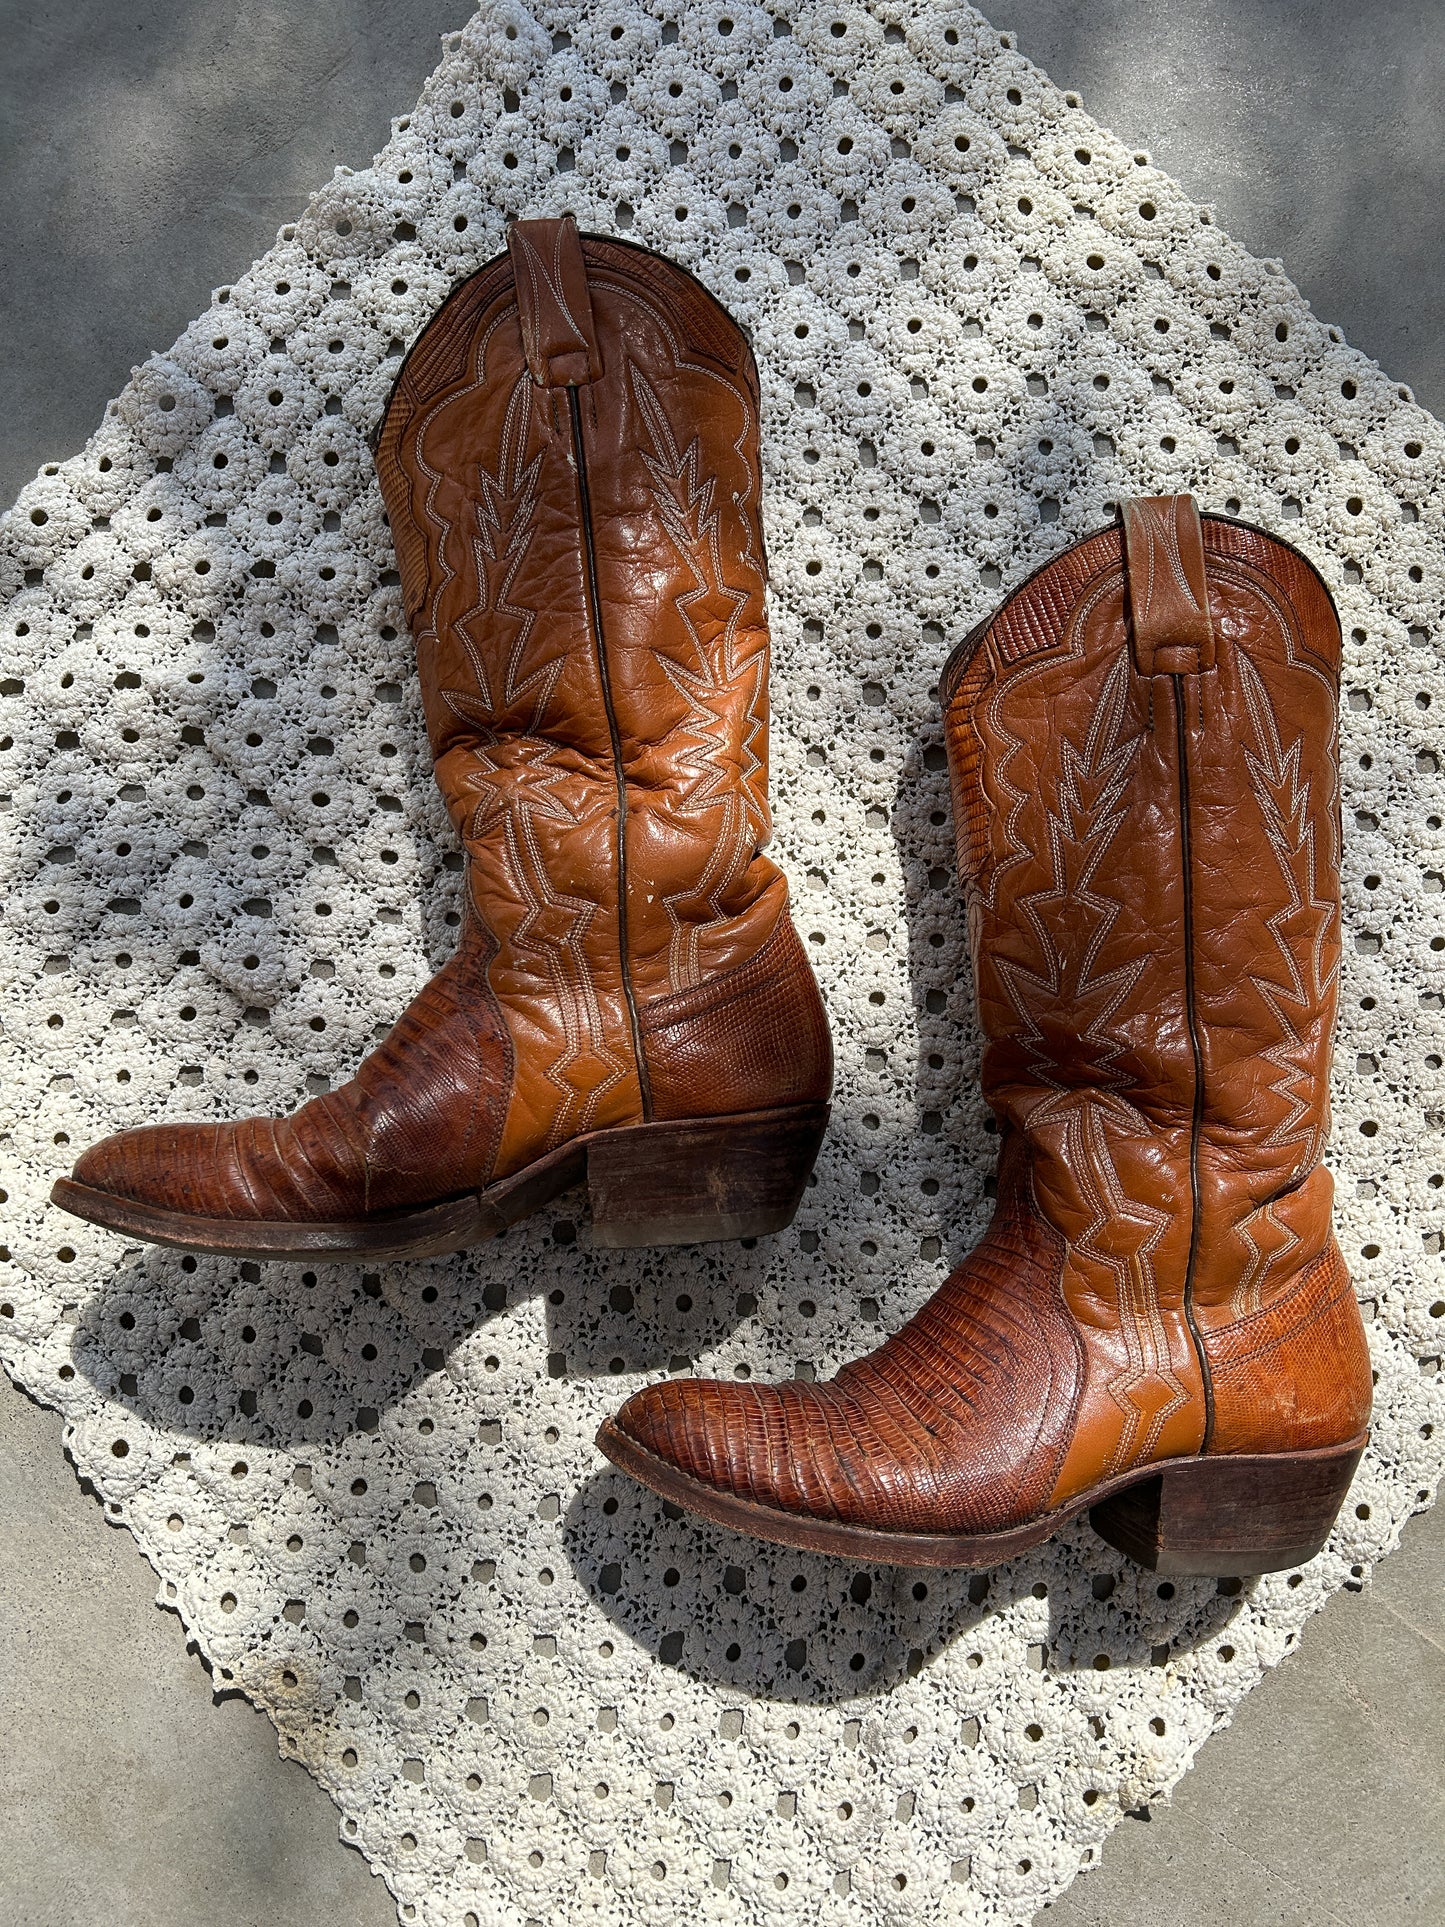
(690, 1181)
(1217, 1515)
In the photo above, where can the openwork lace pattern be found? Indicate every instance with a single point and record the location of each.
(533, 1692)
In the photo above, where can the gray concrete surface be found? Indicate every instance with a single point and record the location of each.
(127, 1795)
(149, 150)
(1314, 126)
(1323, 1805)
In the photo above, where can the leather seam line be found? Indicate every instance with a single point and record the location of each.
(1240, 1361)
(962, 653)
(1056, 1263)
(619, 772)
(1247, 575)
(1196, 1051)
(480, 1109)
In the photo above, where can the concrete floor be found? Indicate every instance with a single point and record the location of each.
(128, 1795)
(150, 149)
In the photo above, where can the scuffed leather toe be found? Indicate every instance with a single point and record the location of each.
(256, 1169)
(773, 1445)
(107, 1166)
(153, 1165)
(667, 1421)
(707, 1429)
(419, 1122)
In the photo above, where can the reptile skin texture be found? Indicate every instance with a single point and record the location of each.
(1143, 755)
(570, 465)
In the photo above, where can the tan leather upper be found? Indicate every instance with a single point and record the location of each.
(570, 466)
(1144, 764)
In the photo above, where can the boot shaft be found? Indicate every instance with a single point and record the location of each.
(570, 463)
(1144, 752)
(1149, 843)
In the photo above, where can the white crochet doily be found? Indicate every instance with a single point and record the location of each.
(373, 1498)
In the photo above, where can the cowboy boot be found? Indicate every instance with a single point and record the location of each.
(570, 464)
(1158, 1324)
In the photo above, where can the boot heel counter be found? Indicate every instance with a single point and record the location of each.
(1296, 1375)
(752, 1039)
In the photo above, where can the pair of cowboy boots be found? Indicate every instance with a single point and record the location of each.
(1158, 1324)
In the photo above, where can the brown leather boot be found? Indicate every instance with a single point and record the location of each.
(1158, 1324)
(570, 464)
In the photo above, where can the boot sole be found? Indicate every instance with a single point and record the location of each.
(695, 1181)
(1217, 1516)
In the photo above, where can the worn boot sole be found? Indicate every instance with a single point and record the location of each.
(1219, 1515)
(675, 1183)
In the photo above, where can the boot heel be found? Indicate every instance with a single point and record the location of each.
(701, 1179)
(1230, 1516)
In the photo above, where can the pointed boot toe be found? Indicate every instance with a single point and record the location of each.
(654, 1420)
(800, 1464)
(179, 1184)
(701, 1442)
(116, 1164)
(692, 1432)
(153, 1166)
(292, 1187)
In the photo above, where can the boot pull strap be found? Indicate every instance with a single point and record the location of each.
(1168, 589)
(555, 309)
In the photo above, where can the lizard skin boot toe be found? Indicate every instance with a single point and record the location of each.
(1158, 1326)
(570, 465)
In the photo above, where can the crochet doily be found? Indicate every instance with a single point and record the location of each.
(372, 1497)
